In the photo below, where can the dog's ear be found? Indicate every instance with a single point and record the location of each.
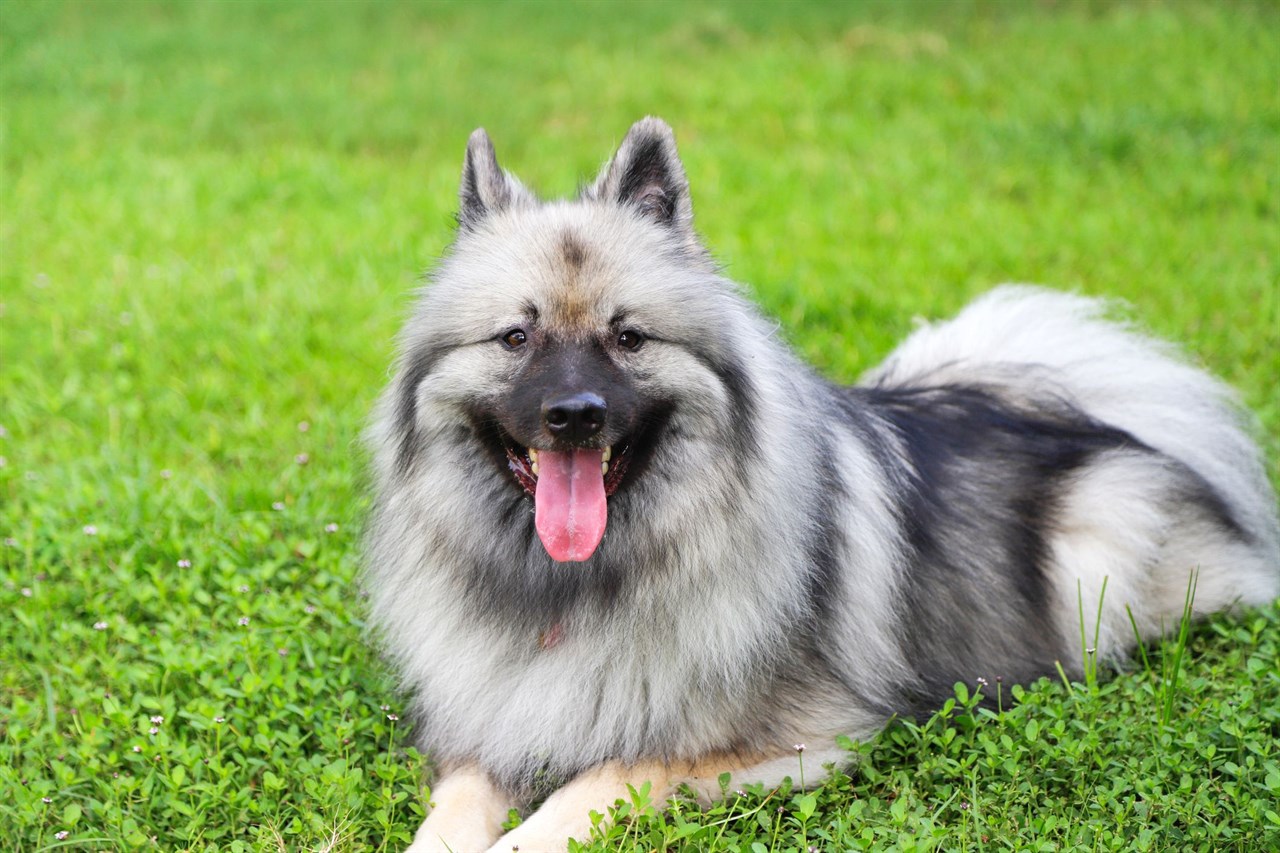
(647, 174)
(486, 188)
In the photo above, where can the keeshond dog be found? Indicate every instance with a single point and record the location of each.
(621, 534)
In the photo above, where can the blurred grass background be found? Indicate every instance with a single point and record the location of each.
(213, 216)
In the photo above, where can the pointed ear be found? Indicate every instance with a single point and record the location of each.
(646, 174)
(485, 188)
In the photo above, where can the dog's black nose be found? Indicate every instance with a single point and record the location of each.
(574, 417)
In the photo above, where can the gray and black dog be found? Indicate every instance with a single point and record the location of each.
(621, 534)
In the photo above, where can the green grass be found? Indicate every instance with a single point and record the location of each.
(212, 216)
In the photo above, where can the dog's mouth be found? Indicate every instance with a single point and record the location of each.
(523, 463)
(570, 489)
(571, 486)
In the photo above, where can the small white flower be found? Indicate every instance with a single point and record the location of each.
(157, 719)
(302, 459)
(219, 719)
(184, 564)
(137, 749)
(61, 835)
(99, 626)
(331, 528)
(303, 426)
(243, 620)
(165, 473)
(90, 530)
(278, 506)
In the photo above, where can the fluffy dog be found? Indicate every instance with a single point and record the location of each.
(621, 534)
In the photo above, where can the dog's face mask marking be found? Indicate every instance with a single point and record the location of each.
(568, 431)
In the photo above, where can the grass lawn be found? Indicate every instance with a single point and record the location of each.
(212, 218)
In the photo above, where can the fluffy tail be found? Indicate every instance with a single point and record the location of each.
(1031, 342)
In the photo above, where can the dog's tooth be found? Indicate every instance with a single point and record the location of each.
(604, 468)
(608, 454)
(533, 455)
(534, 468)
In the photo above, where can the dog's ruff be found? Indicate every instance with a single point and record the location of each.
(783, 561)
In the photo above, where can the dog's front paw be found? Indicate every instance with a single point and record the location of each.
(544, 833)
(423, 844)
(454, 838)
(531, 842)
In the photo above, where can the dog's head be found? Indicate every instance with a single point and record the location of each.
(572, 338)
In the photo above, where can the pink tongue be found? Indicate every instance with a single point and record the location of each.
(570, 503)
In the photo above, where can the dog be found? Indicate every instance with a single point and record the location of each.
(621, 534)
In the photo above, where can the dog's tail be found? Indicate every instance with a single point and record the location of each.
(1032, 342)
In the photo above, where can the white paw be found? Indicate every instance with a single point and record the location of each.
(427, 845)
(450, 839)
(534, 836)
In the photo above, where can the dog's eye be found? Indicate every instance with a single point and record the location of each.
(515, 338)
(630, 339)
